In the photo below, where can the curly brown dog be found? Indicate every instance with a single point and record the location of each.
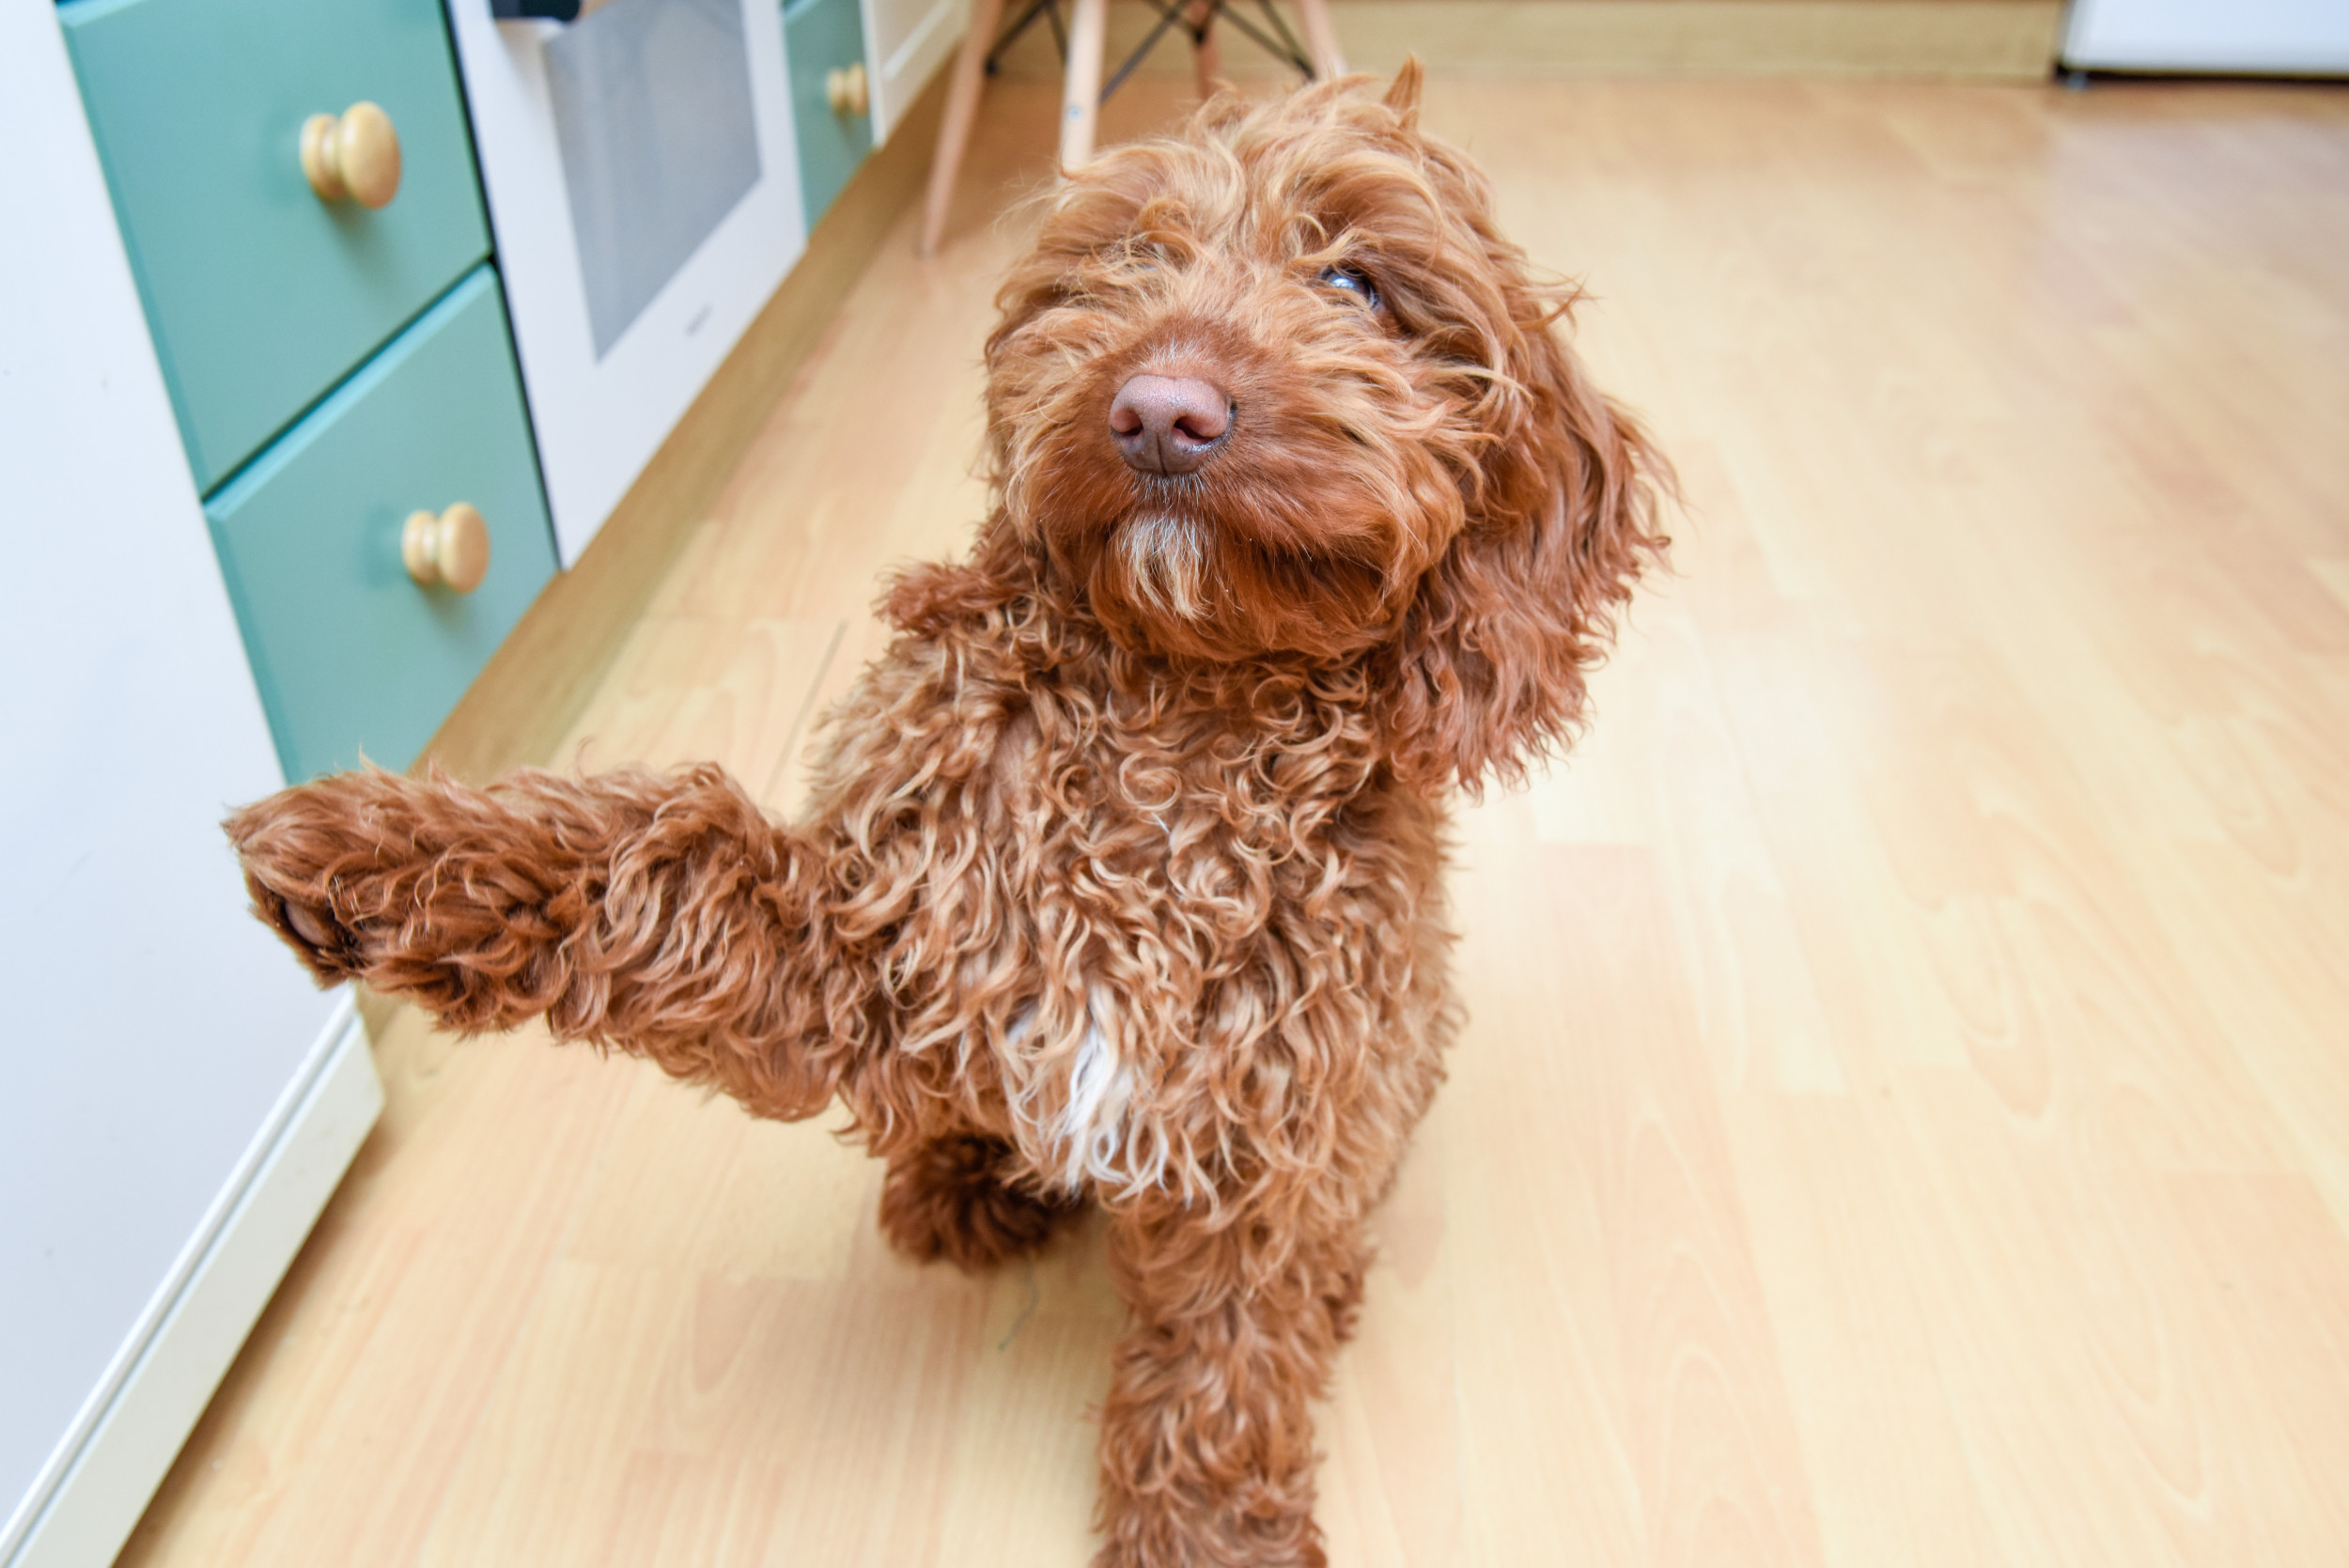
(1122, 877)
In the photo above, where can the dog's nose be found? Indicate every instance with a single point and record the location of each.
(1169, 424)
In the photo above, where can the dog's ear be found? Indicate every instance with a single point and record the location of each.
(1495, 649)
(1403, 93)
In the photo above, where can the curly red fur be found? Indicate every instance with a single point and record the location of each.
(1122, 876)
(957, 1198)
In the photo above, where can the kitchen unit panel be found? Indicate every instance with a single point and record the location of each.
(260, 293)
(831, 97)
(353, 655)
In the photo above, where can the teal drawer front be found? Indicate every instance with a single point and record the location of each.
(821, 36)
(350, 653)
(260, 296)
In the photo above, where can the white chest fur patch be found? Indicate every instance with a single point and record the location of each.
(1081, 1102)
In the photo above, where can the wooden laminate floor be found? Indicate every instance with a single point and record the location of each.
(1905, 1115)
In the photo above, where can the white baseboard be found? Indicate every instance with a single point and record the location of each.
(103, 1474)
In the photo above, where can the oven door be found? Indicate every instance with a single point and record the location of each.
(644, 191)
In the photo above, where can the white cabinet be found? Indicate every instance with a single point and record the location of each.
(2286, 37)
(177, 1101)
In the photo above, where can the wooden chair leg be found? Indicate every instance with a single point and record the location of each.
(1206, 58)
(1080, 98)
(1321, 38)
(953, 131)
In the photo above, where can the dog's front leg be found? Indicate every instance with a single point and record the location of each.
(659, 915)
(1207, 1437)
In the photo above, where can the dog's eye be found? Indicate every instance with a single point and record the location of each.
(1353, 281)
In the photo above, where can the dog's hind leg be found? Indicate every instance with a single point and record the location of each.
(664, 916)
(948, 1197)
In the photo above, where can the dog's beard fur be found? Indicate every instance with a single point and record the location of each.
(1164, 559)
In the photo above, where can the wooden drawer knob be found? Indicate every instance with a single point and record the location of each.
(353, 154)
(452, 547)
(846, 88)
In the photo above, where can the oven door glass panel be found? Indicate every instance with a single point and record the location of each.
(652, 110)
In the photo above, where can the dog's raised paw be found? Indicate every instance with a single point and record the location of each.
(292, 847)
